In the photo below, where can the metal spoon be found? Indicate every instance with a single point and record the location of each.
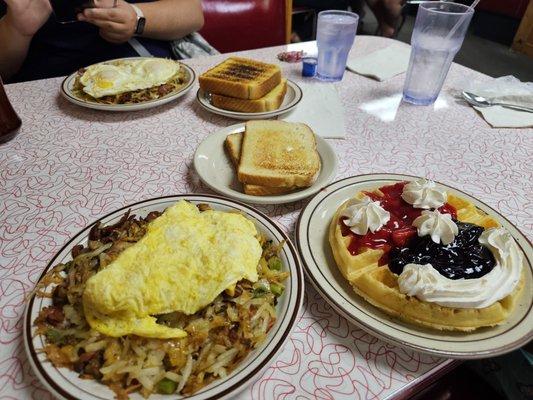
(480, 101)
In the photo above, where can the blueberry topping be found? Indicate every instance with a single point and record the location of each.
(465, 257)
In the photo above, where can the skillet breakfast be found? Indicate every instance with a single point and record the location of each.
(128, 81)
(162, 304)
(427, 256)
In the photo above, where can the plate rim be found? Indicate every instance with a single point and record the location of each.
(243, 115)
(56, 389)
(372, 329)
(65, 91)
(263, 200)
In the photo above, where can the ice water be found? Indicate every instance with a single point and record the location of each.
(440, 28)
(431, 57)
(335, 36)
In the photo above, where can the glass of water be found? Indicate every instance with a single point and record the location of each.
(334, 38)
(438, 34)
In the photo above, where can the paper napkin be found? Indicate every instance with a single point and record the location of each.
(507, 89)
(321, 109)
(381, 64)
(501, 117)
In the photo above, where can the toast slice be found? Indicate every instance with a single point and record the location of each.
(269, 102)
(258, 190)
(278, 154)
(233, 146)
(241, 78)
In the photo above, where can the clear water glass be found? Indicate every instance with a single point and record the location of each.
(434, 44)
(334, 38)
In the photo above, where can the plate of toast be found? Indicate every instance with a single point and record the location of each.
(247, 89)
(266, 162)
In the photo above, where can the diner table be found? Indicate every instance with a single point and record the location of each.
(70, 165)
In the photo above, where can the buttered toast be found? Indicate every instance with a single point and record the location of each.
(241, 78)
(269, 102)
(278, 154)
(233, 146)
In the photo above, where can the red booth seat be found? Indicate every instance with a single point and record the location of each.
(235, 25)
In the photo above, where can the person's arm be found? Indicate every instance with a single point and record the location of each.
(388, 13)
(17, 27)
(172, 19)
(165, 19)
(13, 50)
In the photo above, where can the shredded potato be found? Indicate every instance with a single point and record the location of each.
(219, 336)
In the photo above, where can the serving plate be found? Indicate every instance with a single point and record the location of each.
(216, 170)
(68, 84)
(320, 266)
(292, 98)
(66, 384)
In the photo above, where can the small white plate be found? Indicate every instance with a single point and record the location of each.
(292, 98)
(216, 170)
(68, 84)
(312, 240)
(66, 384)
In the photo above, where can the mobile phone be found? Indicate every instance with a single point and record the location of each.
(66, 11)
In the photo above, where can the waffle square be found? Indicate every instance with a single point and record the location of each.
(379, 286)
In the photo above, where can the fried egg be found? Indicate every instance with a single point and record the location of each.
(182, 263)
(127, 75)
(155, 70)
(106, 79)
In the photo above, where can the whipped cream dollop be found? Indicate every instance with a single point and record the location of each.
(424, 193)
(425, 282)
(439, 226)
(365, 215)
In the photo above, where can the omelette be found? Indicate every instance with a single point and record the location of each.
(182, 263)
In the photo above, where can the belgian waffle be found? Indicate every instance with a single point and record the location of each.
(379, 286)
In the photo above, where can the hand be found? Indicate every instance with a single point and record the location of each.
(117, 24)
(27, 16)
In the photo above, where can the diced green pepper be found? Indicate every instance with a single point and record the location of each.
(261, 288)
(65, 267)
(274, 263)
(166, 386)
(277, 290)
(54, 336)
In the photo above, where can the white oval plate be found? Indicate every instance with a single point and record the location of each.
(292, 98)
(66, 384)
(312, 240)
(68, 83)
(216, 170)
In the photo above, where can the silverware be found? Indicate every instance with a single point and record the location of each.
(481, 101)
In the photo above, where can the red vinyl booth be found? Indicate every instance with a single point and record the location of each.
(234, 25)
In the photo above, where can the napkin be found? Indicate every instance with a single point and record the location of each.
(382, 64)
(321, 109)
(510, 90)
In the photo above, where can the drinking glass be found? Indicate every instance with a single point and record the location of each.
(334, 38)
(438, 34)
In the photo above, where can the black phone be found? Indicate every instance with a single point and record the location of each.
(66, 11)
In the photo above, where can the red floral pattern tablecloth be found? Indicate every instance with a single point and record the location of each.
(70, 165)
